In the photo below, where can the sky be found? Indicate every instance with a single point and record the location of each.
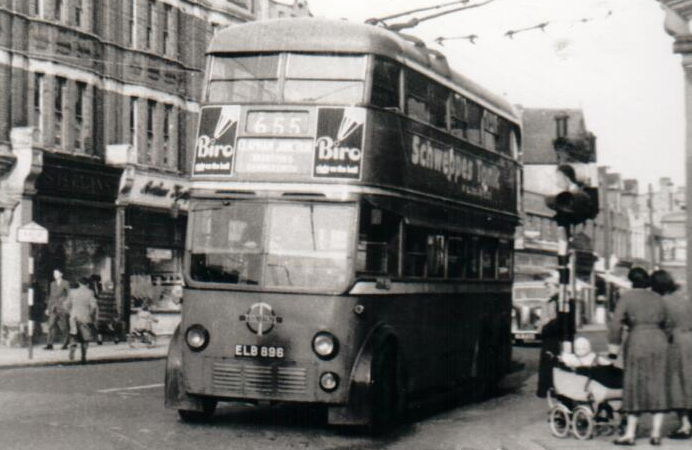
(617, 65)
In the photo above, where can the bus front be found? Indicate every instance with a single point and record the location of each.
(271, 234)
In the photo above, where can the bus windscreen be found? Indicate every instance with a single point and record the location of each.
(308, 78)
(274, 245)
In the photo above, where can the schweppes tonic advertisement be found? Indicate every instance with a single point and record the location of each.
(215, 147)
(339, 143)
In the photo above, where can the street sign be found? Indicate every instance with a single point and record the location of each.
(32, 233)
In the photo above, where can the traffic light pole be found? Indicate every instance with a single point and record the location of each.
(565, 315)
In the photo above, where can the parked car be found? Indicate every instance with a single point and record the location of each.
(529, 302)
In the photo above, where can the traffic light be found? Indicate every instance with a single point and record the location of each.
(577, 203)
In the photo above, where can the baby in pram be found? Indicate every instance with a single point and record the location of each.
(586, 394)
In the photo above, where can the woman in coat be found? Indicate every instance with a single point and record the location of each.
(644, 354)
(679, 369)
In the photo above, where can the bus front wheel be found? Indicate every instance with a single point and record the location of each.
(385, 408)
(205, 413)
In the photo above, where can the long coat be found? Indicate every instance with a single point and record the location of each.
(645, 350)
(679, 369)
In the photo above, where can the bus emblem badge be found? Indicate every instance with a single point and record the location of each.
(260, 318)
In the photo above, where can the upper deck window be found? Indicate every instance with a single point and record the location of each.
(474, 117)
(244, 79)
(385, 83)
(324, 78)
(426, 100)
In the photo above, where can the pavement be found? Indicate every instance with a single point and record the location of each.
(106, 353)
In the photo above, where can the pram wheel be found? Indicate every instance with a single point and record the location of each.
(582, 423)
(560, 422)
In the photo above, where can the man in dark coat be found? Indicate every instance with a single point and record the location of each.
(57, 315)
(550, 346)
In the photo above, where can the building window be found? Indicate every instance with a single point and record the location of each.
(151, 5)
(132, 24)
(59, 6)
(561, 126)
(133, 121)
(167, 112)
(38, 101)
(168, 46)
(151, 108)
(38, 8)
(79, 113)
(78, 12)
(60, 88)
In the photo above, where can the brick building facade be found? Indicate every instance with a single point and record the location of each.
(98, 108)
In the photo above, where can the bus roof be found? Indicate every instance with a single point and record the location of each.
(341, 36)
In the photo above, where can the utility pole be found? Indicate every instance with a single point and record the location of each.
(652, 241)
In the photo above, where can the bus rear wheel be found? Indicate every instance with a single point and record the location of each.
(386, 401)
(195, 416)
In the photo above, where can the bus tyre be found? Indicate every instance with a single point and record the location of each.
(385, 409)
(208, 408)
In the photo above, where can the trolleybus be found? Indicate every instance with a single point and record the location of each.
(350, 231)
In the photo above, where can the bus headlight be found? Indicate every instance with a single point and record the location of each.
(325, 345)
(197, 337)
(329, 381)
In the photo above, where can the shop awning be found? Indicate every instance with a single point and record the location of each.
(613, 279)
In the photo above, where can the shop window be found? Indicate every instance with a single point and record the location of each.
(504, 260)
(458, 116)
(385, 83)
(474, 115)
(378, 243)
(416, 252)
(489, 258)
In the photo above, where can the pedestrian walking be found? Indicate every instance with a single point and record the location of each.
(83, 310)
(679, 368)
(57, 314)
(550, 344)
(645, 351)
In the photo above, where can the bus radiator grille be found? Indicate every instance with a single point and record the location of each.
(258, 379)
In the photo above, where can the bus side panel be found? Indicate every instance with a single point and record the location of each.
(447, 340)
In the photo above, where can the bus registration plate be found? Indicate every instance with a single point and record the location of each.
(259, 351)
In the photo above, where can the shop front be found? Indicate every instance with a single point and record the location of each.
(154, 210)
(75, 202)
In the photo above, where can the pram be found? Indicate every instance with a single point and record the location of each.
(585, 400)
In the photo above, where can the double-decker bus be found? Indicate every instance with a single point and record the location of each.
(350, 231)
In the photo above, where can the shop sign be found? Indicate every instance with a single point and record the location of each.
(32, 233)
(156, 191)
